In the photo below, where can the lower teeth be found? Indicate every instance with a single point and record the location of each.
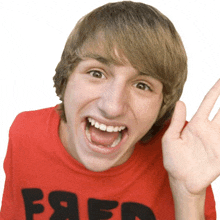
(115, 143)
(87, 133)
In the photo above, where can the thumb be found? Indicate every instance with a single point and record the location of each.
(178, 120)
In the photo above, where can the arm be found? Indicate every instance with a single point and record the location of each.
(187, 206)
(192, 156)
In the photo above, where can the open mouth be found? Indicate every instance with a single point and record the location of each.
(103, 135)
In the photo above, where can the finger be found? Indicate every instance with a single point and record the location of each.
(178, 120)
(209, 101)
(216, 119)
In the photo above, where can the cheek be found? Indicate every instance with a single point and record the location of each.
(74, 94)
(72, 99)
(80, 89)
(78, 97)
(148, 112)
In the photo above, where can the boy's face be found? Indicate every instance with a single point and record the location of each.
(113, 98)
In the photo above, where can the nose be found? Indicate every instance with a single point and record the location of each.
(113, 102)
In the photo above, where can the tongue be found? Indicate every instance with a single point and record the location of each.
(102, 137)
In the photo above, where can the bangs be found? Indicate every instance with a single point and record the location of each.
(102, 47)
(150, 47)
(117, 49)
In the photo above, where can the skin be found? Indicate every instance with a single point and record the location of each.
(114, 95)
(117, 95)
(192, 155)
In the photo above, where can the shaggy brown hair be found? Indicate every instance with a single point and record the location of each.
(139, 33)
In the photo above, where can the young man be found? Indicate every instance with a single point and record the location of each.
(100, 153)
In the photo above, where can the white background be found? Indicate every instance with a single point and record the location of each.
(33, 34)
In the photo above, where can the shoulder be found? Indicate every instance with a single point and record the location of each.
(157, 137)
(154, 145)
(30, 121)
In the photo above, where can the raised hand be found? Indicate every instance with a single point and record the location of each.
(192, 154)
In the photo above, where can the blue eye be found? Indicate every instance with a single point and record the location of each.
(96, 74)
(142, 86)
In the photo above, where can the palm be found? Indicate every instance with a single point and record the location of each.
(192, 155)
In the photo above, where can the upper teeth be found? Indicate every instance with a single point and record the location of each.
(104, 127)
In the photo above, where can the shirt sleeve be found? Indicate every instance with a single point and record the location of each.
(210, 210)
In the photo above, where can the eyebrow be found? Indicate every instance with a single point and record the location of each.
(99, 58)
(144, 74)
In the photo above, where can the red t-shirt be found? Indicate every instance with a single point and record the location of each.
(44, 182)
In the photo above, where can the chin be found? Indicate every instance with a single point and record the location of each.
(97, 166)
